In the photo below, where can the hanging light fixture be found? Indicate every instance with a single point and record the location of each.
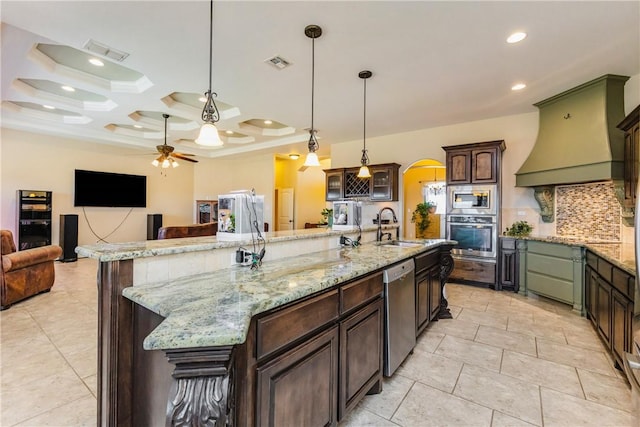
(164, 159)
(313, 32)
(364, 160)
(208, 132)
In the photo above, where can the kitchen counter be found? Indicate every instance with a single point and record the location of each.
(239, 293)
(620, 254)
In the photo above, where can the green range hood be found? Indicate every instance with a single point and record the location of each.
(577, 138)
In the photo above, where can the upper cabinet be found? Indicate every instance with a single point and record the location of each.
(343, 183)
(477, 163)
(630, 126)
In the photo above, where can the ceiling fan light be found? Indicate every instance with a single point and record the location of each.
(155, 163)
(209, 136)
(174, 163)
(165, 163)
(364, 172)
(312, 160)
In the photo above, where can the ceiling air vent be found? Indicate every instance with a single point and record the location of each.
(278, 61)
(104, 50)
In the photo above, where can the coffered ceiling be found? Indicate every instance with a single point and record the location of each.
(433, 64)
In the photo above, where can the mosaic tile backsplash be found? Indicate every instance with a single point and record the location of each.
(588, 210)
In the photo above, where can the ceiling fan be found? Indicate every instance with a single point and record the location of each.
(167, 155)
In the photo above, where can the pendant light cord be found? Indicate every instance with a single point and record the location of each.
(364, 121)
(210, 45)
(313, 68)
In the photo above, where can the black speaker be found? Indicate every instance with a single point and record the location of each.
(69, 237)
(154, 222)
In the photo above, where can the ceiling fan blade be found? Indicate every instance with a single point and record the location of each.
(184, 154)
(181, 157)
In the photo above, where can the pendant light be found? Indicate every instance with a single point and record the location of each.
(313, 32)
(364, 160)
(210, 115)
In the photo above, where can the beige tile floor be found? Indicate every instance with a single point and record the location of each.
(504, 360)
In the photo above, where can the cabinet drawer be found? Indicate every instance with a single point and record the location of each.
(623, 282)
(283, 327)
(483, 272)
(605, 270)
(357, 293)
(424, 261)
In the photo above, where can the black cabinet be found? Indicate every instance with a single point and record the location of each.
(509, 265)
(609, 293)
(34, 218)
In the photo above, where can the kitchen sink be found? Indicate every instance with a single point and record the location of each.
(401, 244)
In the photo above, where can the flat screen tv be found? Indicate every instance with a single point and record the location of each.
(109, 189)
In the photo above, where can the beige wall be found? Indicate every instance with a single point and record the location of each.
(39, 162)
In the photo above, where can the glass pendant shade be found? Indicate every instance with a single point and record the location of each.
(312, 160)
(165, 163)
(364, 172)
(155, 163)
(174, 163)
(209, 136)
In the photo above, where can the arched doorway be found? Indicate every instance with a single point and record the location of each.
(424, 180)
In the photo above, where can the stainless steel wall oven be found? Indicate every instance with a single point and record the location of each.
(477, 235)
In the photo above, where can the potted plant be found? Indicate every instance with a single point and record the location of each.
(420, 216)
(327, 216)
(519, 229)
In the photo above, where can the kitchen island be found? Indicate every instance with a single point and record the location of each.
(231, 345)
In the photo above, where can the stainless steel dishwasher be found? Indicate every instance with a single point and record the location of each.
(400, 314)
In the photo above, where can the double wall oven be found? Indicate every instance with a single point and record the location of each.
(472, 212)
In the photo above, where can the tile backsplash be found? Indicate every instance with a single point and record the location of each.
(588, 210)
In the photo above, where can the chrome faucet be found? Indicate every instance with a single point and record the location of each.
(380, 234)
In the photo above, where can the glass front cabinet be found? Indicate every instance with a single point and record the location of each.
(206, 211)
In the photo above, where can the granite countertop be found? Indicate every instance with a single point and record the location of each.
(129, 250)
(619, 254)
(215, 309)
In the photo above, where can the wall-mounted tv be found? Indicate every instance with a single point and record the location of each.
(109, 189)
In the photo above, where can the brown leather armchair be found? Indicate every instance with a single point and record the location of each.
(25, 273)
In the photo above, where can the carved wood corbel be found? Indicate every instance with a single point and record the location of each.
(446, 267)
(202, 393)
(545, 196)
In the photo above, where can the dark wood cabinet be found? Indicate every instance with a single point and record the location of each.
(509, 266)
(631, 127)
(477, 163)
(428, 289)
(361, 357)
(609, 303)
(311, 366)
(343, 183)
(34, 218)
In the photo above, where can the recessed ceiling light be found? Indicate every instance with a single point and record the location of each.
(68, 88)
(518, 86)
(268, 122)
(96, 62)
(49, 107)
(202, 99)
(137, 126)
(229, 132)
(516, 37)
(294, 156)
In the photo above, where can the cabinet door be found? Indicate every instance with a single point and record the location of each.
(435, 292)
(591, 295)
(335, 188)
(354, 186)
(508, 264)
(422, 302)
(384, 182)
(459, 167)
(361, 340)
(484, 166)
(311, 366)
(621, 318)
(603, 312)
